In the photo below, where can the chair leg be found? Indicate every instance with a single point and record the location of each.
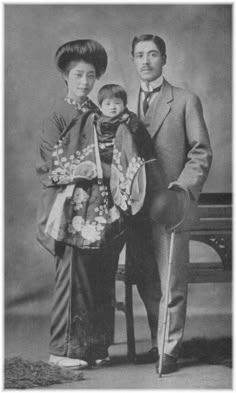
(129, 321)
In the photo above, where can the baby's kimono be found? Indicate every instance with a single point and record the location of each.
(101, 169)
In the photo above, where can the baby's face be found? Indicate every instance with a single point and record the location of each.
(112, 106)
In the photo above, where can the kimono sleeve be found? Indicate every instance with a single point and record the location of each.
(51, 131)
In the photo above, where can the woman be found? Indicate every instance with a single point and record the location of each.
(82, 313)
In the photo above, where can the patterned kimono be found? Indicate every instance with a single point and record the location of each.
(93, 179)
(97, 161)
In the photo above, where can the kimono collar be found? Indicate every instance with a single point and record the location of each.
(84, 107)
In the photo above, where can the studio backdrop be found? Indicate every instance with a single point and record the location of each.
(199, 57)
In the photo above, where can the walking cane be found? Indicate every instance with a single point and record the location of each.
(170, 261)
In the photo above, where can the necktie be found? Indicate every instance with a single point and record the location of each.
(147, 96)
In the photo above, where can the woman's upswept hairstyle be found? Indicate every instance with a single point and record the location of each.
(89, 51)
(160, 43)
(112, 91)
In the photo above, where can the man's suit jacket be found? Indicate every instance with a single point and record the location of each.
(178, 130)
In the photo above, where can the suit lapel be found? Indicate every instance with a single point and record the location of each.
(159, 109)
(138, 103)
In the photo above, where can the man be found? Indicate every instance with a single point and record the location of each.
(174, 120)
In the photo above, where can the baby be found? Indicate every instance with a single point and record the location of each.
(112, 100)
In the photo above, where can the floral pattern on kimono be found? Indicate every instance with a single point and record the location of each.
(88, 212)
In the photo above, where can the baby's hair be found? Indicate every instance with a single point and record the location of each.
(112, 91)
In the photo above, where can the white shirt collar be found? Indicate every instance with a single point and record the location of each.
(149, 86)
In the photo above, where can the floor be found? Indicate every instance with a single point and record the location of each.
(30, 340)
(208, 316)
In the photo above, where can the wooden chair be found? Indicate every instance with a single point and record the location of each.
(214, 229)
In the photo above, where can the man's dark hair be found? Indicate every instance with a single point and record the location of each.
(112, 91)
(160, 43)
(89, 51)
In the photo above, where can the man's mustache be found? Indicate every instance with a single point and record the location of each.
(144, 68)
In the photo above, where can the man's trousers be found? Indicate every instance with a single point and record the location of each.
(148, 249)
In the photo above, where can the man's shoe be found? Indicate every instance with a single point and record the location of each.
(148, 357)
(169, 364)
(62, 361)
(106, 362)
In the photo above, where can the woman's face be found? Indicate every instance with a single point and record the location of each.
(80, 80)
